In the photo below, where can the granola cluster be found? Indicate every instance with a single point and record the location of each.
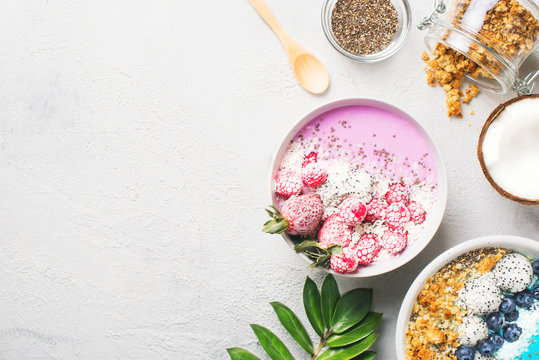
(508, 28)
(431, 332)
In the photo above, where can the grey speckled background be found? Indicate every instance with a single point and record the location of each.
(135, 145)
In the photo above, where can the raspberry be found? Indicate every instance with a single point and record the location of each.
(367, 248)
(313, 175)
(397, 193)
(417, 213)
(344, 263)
(288, 183)
(352, 211)
(394, 241)
(397, 215)
(375, 210)
(310, 158)
(334, 231)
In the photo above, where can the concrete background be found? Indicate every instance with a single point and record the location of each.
(135, 146)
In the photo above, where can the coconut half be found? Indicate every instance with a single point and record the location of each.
(508, 149)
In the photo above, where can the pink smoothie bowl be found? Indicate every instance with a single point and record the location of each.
(407, 128)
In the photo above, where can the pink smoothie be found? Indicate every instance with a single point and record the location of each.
(379, 141)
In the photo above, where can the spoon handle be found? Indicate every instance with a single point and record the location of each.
(264, 11)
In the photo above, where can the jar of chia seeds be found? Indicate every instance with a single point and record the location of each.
(496, 35)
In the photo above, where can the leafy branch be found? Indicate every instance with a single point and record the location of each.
(345, 325)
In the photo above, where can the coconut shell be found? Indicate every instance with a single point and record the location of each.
(481, 158)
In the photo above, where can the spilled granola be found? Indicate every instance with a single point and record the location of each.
(508, 28)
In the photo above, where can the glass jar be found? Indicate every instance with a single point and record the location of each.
(498, 35)
(403, 10)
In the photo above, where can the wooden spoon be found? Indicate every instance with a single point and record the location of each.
(309, 71)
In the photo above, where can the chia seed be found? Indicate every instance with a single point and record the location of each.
(364, 27)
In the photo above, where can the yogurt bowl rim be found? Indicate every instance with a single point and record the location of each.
(516, 243)
(439, 210)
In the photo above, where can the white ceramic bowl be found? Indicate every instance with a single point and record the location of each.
(435, 217)
(520, 244)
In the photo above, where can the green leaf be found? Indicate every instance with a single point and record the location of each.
(329, 297)
(311, 302)
(271, 343)
(241, 354)
(278, 224)
(292, 324)
(367, 355)
(351, 309)
(306, 245)
(365, 328)
(335, 249)
(275, 227)
(349, 352)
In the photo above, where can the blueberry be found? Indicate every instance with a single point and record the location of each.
(496, 339)
(511, 332)
(535, 266)
(524, 299)
(495, 321)
(535, 292)
(512, 316)
(464, 353)
(485, 347)
(508, 305)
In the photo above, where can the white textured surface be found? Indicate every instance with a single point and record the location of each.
(135, 145)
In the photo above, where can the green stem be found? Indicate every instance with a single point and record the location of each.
(322, 343)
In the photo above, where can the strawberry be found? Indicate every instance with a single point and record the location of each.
(397, 193)
(300, 215)
(313, 175)
(312, 157)
(367, 248)
(394, 241)
(397, 215)
(334, 231)
(288, 183)
(417, 213)
(344, 263)
(352, 211)
(375, 210)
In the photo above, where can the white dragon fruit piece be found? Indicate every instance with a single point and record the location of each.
(481, 296)
(513, 273)
(472, 330)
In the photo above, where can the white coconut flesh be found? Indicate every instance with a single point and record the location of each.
(511, 149)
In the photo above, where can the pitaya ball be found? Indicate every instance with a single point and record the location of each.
(482, 296)
(513, 273)
(471, 330)
(352, 210)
